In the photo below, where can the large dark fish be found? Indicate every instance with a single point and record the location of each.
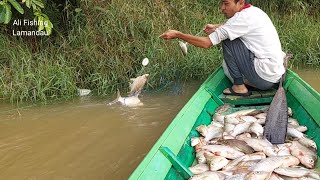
(237, 144)
(275, 129)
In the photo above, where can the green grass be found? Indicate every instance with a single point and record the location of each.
(101, 47)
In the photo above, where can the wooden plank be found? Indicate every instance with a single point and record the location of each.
(249, 101)
(215, 97)
(257, 97)
(176, 163)
(173, 175)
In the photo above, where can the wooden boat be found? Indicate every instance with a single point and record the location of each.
(172, 154)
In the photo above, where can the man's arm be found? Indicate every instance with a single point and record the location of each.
(210, 28)
(203, 42)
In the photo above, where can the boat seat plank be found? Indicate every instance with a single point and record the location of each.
(179, 166)
(257, 97)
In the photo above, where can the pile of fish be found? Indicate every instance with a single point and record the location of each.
(232, 147)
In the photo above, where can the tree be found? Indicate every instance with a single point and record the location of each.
(36, 6)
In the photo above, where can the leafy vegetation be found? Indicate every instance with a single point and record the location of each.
(100, 45)
(36, 5)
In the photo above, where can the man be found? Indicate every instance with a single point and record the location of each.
(251, 46)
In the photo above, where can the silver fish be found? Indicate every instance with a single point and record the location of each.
(248, 157)
(183, 47)
(283, 149)
(258, 175)
(84, 92)
(200, 157)
(131, 101)
(296, 172)
(243, 136)
(210, 132)
(247, 164)
(228, 127)
(199, 168)
(290, 112)
(227, 136)
(292, 132)
(209, 175)
(256, 128)
(248, 118)
(195, 141)
(236, 177)
(293, 122)
(223, 108)
(308, 143)
(274, 176)
(201, 143)
(237, 144)
(306, 156)
(233, 120)
(224, 151)
(137, 85)
(241, 113)
(232, 164)
(218, 117)
(299, 128)
(262, 145)
(271, 163)
(261, 121)
(240, 128)
(241, 171)
(254, 156)
(261, 116)
(216, 123)
(216, 162)
(227, 173)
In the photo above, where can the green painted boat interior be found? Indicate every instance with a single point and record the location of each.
(172, 154)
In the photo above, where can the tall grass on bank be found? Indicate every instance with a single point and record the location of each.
(105, 42)
(34, 77)
(298, 26)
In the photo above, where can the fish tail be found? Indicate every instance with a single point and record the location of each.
(118, 94)
(285, 63)
(282, 80)
(117, 99)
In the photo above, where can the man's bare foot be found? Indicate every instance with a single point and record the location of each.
(237, 88)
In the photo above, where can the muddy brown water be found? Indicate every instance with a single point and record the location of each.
(311, 76)
(84, 139)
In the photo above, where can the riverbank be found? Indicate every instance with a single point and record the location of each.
(101, 46)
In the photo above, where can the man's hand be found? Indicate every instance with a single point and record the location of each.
(170, 34)
(209, 28)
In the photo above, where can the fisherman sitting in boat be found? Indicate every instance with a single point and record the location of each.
(251, 46)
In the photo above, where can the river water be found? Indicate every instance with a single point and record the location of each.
(311, 76)
(85, 139)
